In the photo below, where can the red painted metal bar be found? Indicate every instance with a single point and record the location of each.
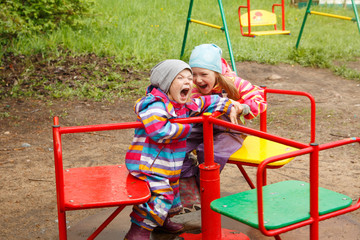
(312, 102)
(209, 185)
(340, 212)
(60, 179)
(100, 127)
(249, 18)
(258, 133)
(58, 158)
(354, 206)
(314, 191)
(339, 143)
(273, 10)
(263, 115)
(106, 222)
(118, 126)
(283, 15)
(246, 176)
(208, 140)
(282, 5)
(252, 164)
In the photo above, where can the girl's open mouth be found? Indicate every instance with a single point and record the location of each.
(184, 92)
(203, 86)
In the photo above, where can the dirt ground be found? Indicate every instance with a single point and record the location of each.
(27, 179)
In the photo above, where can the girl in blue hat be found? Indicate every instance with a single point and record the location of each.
(213, 76)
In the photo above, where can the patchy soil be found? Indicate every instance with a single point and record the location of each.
(38, 75)
(27, 183)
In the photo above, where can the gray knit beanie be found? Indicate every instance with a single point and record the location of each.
(164, 73)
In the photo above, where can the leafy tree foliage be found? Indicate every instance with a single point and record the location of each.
(29, 16)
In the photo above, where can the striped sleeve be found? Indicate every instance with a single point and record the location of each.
(213, 103)
(251, 95)
(158, 127)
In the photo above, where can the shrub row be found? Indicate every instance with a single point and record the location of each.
(28, 16)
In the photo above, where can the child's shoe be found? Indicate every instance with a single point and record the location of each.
(137, 233)
(170, 227)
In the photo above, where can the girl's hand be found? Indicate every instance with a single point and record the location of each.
(239, 107)
(235, 111)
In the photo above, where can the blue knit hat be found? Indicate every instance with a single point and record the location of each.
(206, 56)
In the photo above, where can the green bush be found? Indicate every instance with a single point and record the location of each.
(29, 16)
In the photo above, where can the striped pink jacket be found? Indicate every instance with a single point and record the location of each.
(251, 95)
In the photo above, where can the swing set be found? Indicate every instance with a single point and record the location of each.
(308, 11)
(254, 19)
(257, 18)
(223, 28)
(260, 18)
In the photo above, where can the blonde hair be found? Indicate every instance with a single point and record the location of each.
(229, 86)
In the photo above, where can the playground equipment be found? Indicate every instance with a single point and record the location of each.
(255, 150)
(223, 28)
(257, 18)
(267, 207)
(308, 11)
(94, 187)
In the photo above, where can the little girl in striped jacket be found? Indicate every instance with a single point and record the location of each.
(158, 149)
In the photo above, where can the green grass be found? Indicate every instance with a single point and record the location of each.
(144, 32)
(141, 33)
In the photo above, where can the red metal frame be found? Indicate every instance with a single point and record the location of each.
(210, 179)
(263, 127)
(59, 173)
(210, 176)
(313, 149)
(263, 118)
(282, 5)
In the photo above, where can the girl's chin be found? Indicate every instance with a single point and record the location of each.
(204, 91)
(183, 99)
